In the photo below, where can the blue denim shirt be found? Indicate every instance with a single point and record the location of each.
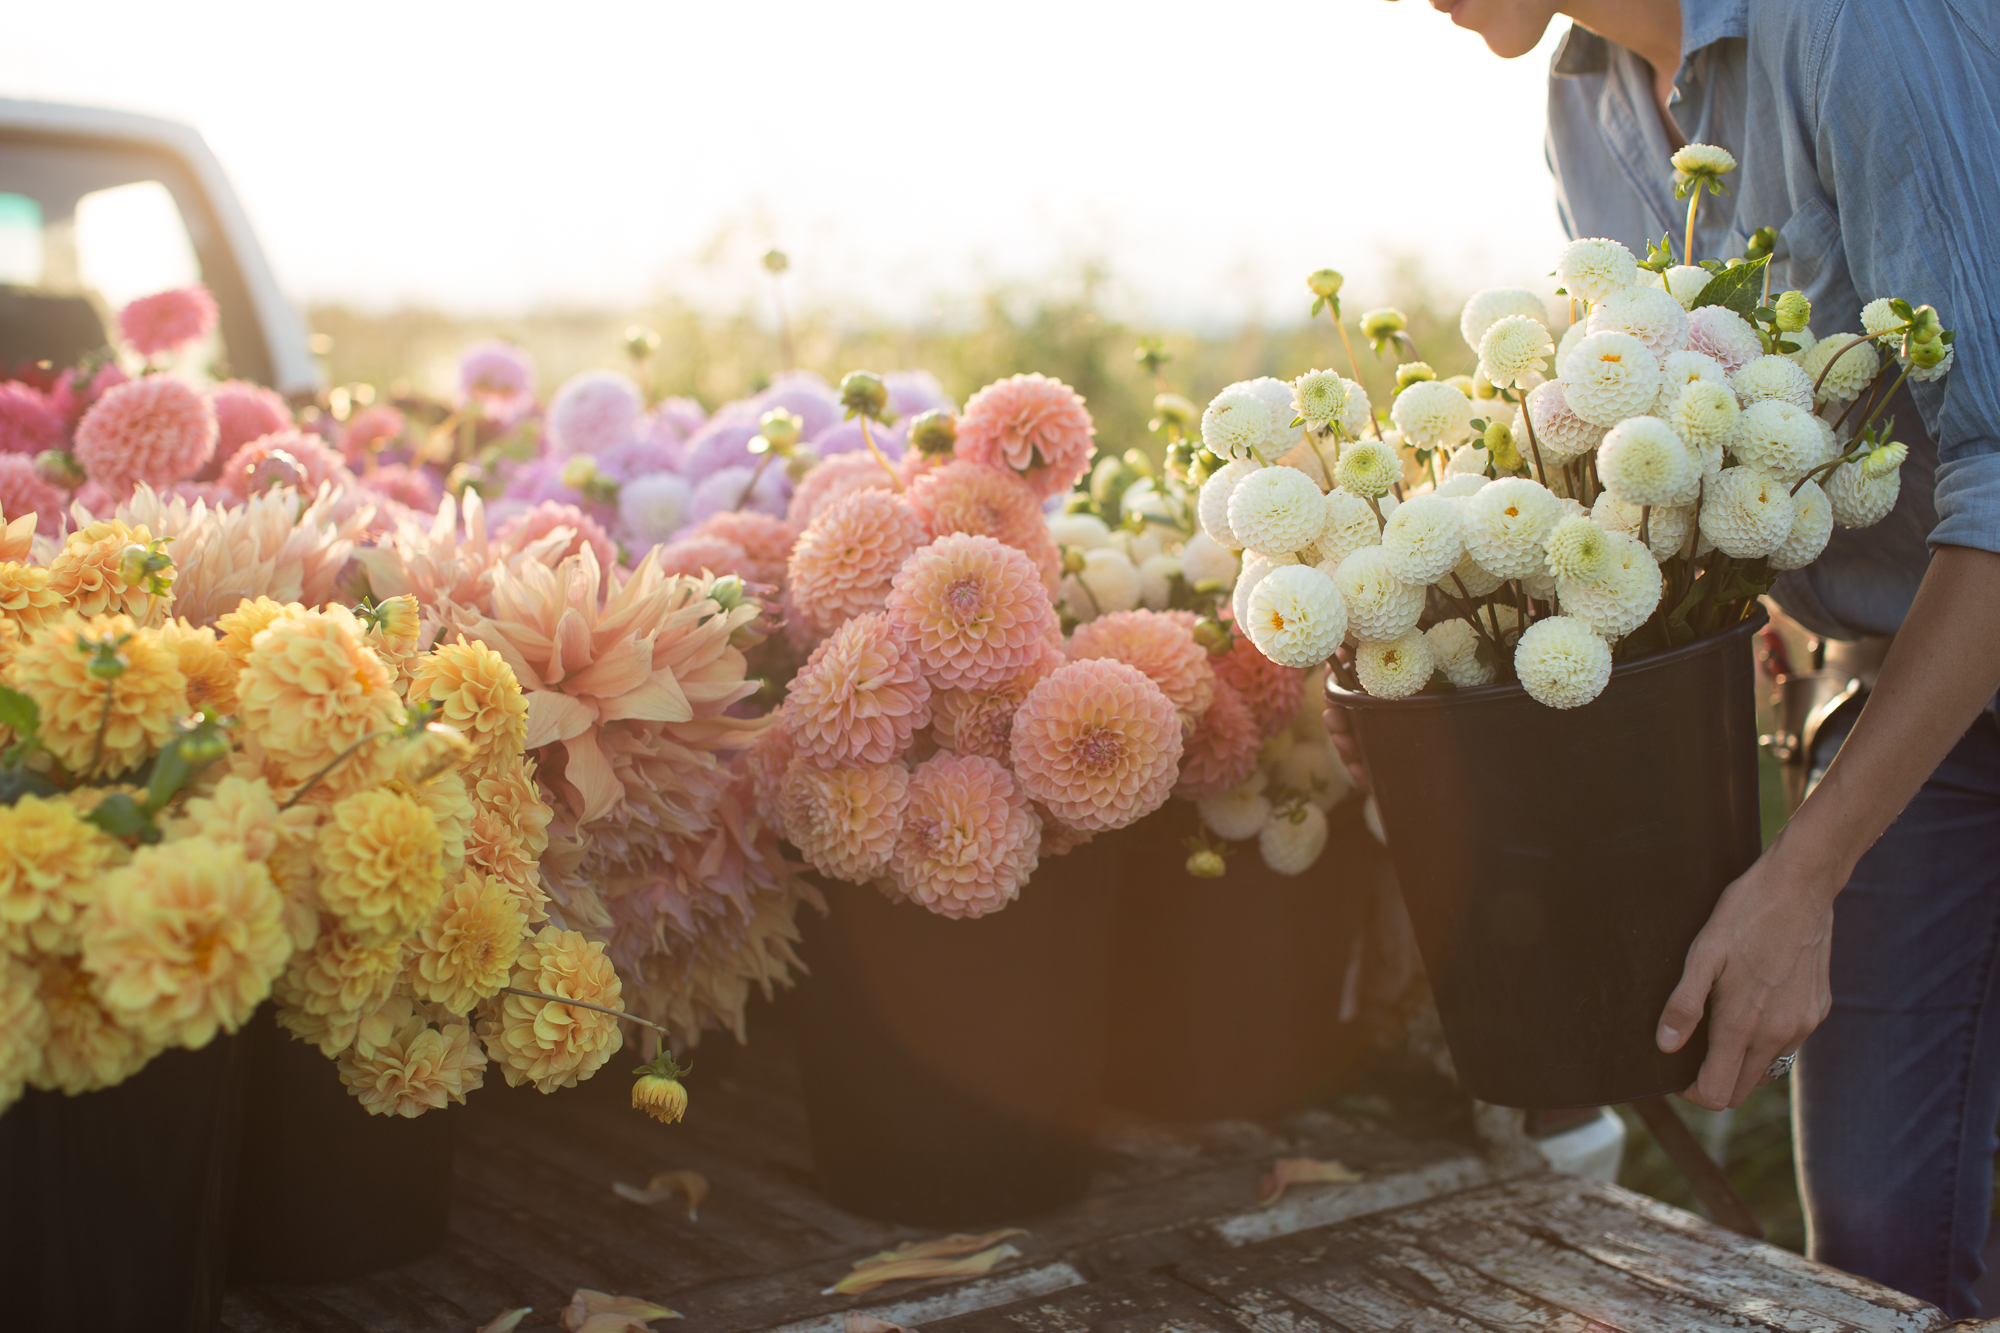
(1868, 133)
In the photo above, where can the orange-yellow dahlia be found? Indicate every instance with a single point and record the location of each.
(27, 596)
(975, 611)
(465, 952)
(963, 496)
(328, 989)
(311, 688)
(49, 863)
(547, 1043)
(381, 864)
(1159, 643)
(210, 672)
(860, 695)
(86, 1049)
(88, 573)
(509, 833)
(1098, 743)
(239, 627)
(969, 839)
(844, 817)
(1034, 425)
(843, 564)
(244, 811)
(478, 693)
(24, 1026)
(1222, 751)
(407, 1059)
(146, 697)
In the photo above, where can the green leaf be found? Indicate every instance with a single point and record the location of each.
(18, 712)
(120, 816)
(1735, 288)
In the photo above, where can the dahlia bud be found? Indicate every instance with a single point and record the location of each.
(934, 432)
(1213, 636)
(781, 429)
(1379, 324)
(1171, 411)
(640, 342)
(1883, 460)
(579, 472)
(727, 593)
(203, 746)
(664, 1099)
(58, 467)
(1410, 372)
(1206, 863)
(1762, 242)
(863, 394)
(106, 661)
(1499, 442)
(1325, 283)
(776, 261)
(1794, 311)
(1072, 560)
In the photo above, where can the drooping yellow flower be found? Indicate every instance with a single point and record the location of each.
(147, 695)
(211, 672)
(328, 989)
(184, 940)
(49, 863)
(381, 865)
(239, 627)
(477, 692)
(245, 811)
(24, 1026)
(310, 689)
(662, 1098)
(86, 1047)
(88, 574)
(509, 833)
(26, 596)
(550, 1044)
(400, 1064)
(466, 951)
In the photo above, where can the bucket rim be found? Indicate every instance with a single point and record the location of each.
(1359, 700)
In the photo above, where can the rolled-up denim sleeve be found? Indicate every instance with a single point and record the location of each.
(1908, 146)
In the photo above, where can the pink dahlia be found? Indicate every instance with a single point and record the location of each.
(1720, 332)
(22, 492)
(287, 458)
(593, 411)
(769, 759)
(245, 411)
(369, 432)
(1273, 693)
(830, 481)
(860, 696)
(1032, 424)
(766, 540)
(1098, 743)
(844, 817)
(412, 486)
(523, 530)
(695, 554)
(969, 839)
(968, 497)
(167, 321)
(844, 563)
(975, 611)
(498, 378)
(982, 721)
(157, 429)
(1222, 752)
(1159, 643)
(29, 421)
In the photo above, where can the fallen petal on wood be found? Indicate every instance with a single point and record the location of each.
(872, 1273)
(506, 1321)
(1291, 1171)
(599, 1312)
(941, 1248)
(665, 1186)
(858, 1322)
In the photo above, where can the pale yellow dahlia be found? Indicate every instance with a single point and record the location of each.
(845, 559)
(184, 940)
(243, 810)
(311, 689)
(24, 1026)
(328, 989)
(478, 693)
(1396, 669)
(26, 596)
(547, 1043)
(974, 611)
(1098, 743)
(1159, 643)
(210, 672)
(509, 833)
(446, 799)
(146, 698)
(1562, 662)
(89, 572)
(49, 864)
(465, 952)
(86, 1048)
(843, 817)
(239, 626)
(382, 864)
(969, 840)
(862, 693)
(401, 1064)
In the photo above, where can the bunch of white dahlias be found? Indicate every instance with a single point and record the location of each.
(1283, 806)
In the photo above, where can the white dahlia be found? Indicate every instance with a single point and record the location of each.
(1431, 414)
(1458, 485)
(1108, 584)
(1514, 348)
(1781, 439)
(1297, 617)
(1560, 434)
(1666, 528)
(1424, 538)
(1859, 500)
(1255, 567)
(1381, 606)
(1746, 512)
(1853, 371)
(1469, 460)
(1705, 415)
(1812, 528)
(1358, 412)
(1454, 646)
(1370, 467)
(1276, 509)
(1496, 303)
(1773, 379)
(1290, 843)
(1643, 462)
(1571, 336)
(1213, 506)
(1593, 268)
(1608, 377)
(1685, 283)
(1506, 524)
(1397, 669)
(1877, 319)
(1578, 549)
(1239, 812)
(1619, 600)
(1683, 368)
(1702, 160)
(1238, 423)
(1720, 332)
(1350, 525)
(1469, 578)
(1087, 532)
(1205, 560)
(1648, 314)
(1319, 397)
(1562, 662)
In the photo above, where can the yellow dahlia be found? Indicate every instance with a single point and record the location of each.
(185, 939)
(547, 1043)
(86, 1048)
(244, 810)
(328, 989)
(463, 954)
(49, 863)
(1098, 743)
(1159, 643)
(478, 693)
(88, 573)
(975, 611)
(26, 596)
(401, 1064)
(447, 800)
(860, 695)
(969, 839)
(843, 817)
(310, 689)
(241, 625)
(146, 698)
(381, 864)
(509, 833)
(211, 672)
(844, 562)
(24, 1026)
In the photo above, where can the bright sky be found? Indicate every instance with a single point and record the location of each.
(496, 156)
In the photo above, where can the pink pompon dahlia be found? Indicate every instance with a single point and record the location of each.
(860, 696)
(845, 561)
(406, 485)
(29, 421)
(593, 411)
(1222, 752)
(288, 458)
(1273, 693)
(969, 838)
(498, 378)
(22, 492)
(157, 429)
(1159, 643)
(369, 432)
(844, 818)
(245, 411)
(975, 611)
(1098, 743)
(832, 480)
(1033, 425)
(969, 497)
(167, 321)
(523, 530)
(765, 539)
(982, 721)
(695, 554)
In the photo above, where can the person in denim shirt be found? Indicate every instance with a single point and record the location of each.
(1868, 135)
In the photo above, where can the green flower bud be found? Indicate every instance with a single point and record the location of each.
(1206, 863)
(934, 432)
(1499, 442)
(579, 472)
(863, 394)
(204, 745)
(1072, 560)
(776, 261)
(1379, 324)
(1794, 311)
(727, 593)
(58, 467)
(106, 662)
(1170, 410)
(640, 342)
(1212, 635)
(1762, 242)
(1410, 372)
(1883, 460)
(1924, 355)
(1325, 283)
(781, 429)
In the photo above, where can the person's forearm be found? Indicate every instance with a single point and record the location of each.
(1942, 669)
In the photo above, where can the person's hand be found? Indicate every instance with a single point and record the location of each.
(1340, 727)
(1759, 970)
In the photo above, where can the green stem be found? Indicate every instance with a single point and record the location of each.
(331, 764)
(581, 1004)
(1694, 202)
(756, 476)
(1876, 411)
(869, 440)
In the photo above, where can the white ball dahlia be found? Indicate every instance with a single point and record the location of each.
(1562, 662)
(1297, 617)
(1239, 812)
(1683, 368)
(1290, 843)
(1803, 342)
(1702, 159)
(1746, 512)
(1685, 283)
(1620, 598)
(1854, 369)
(1424, 538)
(1496, 303)
(1431, 414)
(1454, 648)
(1277, 397)
(1357, 413)
(1458, 485)
(1108, 584)
(1276, 509)
(1608, 377)
(1350, 525)
(1506, 524)
(1370, 467)
(1087, 532)
(1213, 506)
(1721, 333)
(1205, 560)
(1781, 439)
(1666, 528)
(1515, 347)
(1255, 567)
(1560, 434)
(1877, 318)
(1469, 460)
(1812, 528)
(1643, 462)
(1705, 415)
(1578, 548)
(1156, 580)
(1593, 268)
(1381, 606)
(1238, 423)
(1319, 397)
(1469, 578)
(1397, 669)
(1859, 500)
(1648, 314)
(1571, 336)
(1773, 379)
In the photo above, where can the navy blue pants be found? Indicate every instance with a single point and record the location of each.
(1895, 1096)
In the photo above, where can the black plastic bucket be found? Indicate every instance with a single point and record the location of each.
(953, 1070)
(1557, 863)
(116, 1203)
(326, 1191)
(1229, 993)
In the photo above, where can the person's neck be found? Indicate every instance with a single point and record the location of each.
(1649, 29)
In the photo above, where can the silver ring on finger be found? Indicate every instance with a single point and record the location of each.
(1781, 1066)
